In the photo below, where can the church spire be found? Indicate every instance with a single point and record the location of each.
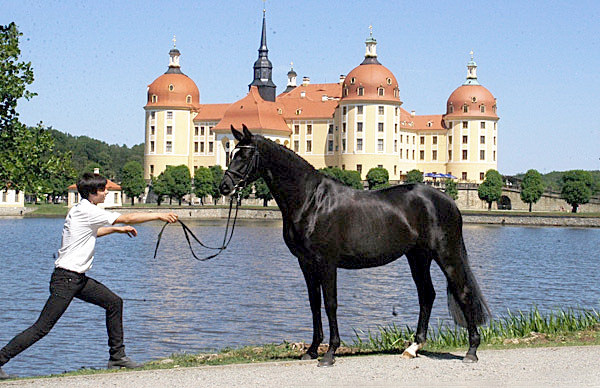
(263, 69)
(174, 66)
(371, 49)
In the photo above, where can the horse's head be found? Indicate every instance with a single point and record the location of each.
(243, 168)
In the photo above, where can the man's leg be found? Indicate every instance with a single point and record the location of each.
(96, 293)
(62, 290)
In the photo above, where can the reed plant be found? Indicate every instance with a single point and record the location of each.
(509, 326)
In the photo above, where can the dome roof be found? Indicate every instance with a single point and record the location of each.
(173, 89)
(478, 100)
(471, 99)
(371, 80)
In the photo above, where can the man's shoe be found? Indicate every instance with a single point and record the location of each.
(4, 375)
(124, 362)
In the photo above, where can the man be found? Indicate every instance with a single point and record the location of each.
(84, 223)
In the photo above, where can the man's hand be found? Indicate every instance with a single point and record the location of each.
(168, 217)
(130, 230)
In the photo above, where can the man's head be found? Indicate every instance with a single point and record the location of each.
(90, 184)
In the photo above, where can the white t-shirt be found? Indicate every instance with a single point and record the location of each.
(79, 235)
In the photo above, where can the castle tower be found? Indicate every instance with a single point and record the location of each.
(263, 69)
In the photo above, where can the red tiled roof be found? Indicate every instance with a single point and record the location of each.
(109, 185)
(212, 112)
(310, 101)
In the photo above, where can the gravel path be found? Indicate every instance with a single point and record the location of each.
(543, 367)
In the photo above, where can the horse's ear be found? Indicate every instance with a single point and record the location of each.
(237, 134)
(247, 132)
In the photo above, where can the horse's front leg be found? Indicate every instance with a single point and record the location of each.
(314, 296)
(329, 285)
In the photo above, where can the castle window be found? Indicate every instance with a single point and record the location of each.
(169, 130)
(481, 139)
(344, 110)
(308, 146)
(188, 99)
(330, 146)
(330, 129)
(389, 81)
(153, 114)
(210, 147)
(465, 139)
(359, 144)
(434, 155)
(359, 126)
(309, 129)
(421, 155)
(279, 111)
(380, 91)
(296, 129)
(380, 127)
(494, 156)
(196, 147)
(482, 108)
(152, 130)
(202, 147)
(151, 146)
(494, 108)
(169, 146)
(422, 140)
(450, 108)
(196, 130)
(298, 111)
(474, 99)
(359, 168)
(482, 155)
(482, 125)
(464, 176)
(465, 108)
(429, 124)
(360, 91)
(465, 124)
(296, 145)
(465, 155)
(481, 176)
(169, 115)
(151, 169)
(381, 109)
(171, 87)
(449, 156)
(352, 81)
(154, 99)
(449, 139)
(380, 145)
(434, 140)
(359, 109)
(345, 91)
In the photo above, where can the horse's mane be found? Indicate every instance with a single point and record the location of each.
(289, 156)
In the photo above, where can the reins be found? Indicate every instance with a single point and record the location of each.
(235, 195)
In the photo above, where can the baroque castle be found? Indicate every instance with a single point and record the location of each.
(357, 123)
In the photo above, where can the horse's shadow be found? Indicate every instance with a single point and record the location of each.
(439, 355)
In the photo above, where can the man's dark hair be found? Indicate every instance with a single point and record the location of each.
(90, 183)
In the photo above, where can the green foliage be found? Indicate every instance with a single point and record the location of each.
(203, 183)
(532, 187)
(378, 178)
(451, 188)
(414, 176)
(132, 182)
(350, 178)
(261, 190)
(490, 190)
(217, 173)
(160, 186)
(89, 153)
(180, 182)
(577, 188)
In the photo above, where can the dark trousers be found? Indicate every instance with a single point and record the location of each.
(64, 286)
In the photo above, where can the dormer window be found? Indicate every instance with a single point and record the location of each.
(389, 81)
(482, 108)
(154, 98)
(380, 91)
(360, 91)
(429, 124)
(494, 108)
(352, 81)
(474, 99)
(450, 108)
(298, 112)
(171, 87)
(279, 111)
(188, 99)
(345, 91)
(465, 108)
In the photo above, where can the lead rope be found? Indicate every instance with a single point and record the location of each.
(187, 230)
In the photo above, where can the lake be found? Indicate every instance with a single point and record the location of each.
(254, 292)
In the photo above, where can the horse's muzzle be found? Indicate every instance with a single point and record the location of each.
(226, 186)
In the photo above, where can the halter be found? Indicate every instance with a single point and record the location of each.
(235, 194)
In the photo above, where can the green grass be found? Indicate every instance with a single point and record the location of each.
(47, 209)
(507, 329)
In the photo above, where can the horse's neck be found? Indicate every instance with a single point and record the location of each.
(291, 179)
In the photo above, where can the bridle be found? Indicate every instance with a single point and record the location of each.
(236, 194)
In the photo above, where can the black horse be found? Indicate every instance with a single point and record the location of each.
(327, 225)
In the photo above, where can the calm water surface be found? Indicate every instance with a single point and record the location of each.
(254, 293)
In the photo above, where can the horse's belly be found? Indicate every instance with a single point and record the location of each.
(357, 262)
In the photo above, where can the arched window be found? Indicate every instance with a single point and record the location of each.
(154, 98)
(465, 108)
(482, 108)
(188, 99)
(380, 91)
(450, 108)
(360, 91)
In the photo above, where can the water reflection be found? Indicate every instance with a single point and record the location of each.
(254, 292)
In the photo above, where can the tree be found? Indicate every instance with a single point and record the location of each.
(490, 190)
(347, 177)
(261, 190)
(25, 152)
(532, 187)
(180, 183)
(577, 188)
(378, 178)
(217, 174)
(451, 189)
(414, 176)
(160, 186)
(203, 183)
(132, 182)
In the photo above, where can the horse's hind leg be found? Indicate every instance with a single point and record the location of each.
(313, 285)
(329, 284)
(420, 263)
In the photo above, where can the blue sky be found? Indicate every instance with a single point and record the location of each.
(540, 59)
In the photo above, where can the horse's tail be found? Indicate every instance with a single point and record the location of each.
(481, 311)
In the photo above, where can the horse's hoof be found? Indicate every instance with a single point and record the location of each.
(326, 362)
(470, 359)
(408, 355)
(308, 356)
